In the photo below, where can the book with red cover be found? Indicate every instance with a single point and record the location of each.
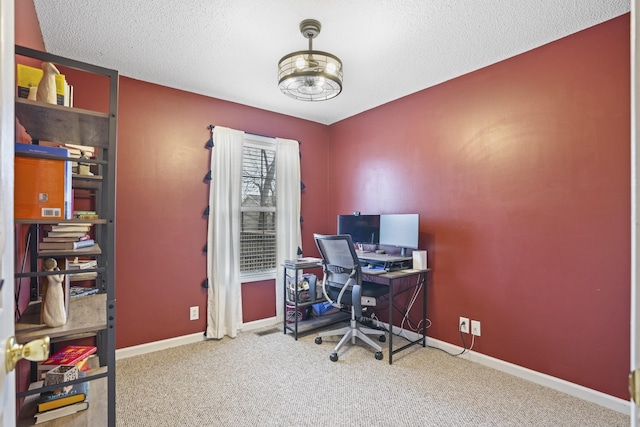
(70, 355)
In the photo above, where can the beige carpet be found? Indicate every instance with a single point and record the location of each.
(266, 378)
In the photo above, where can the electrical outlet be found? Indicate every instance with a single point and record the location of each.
(475, 328)
(194, 313)
(464, 325)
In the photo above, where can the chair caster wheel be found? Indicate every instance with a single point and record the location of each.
(378, 355)
(318, 340)
(382, 338)
(334, 357)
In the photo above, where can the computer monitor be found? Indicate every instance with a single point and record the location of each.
(400, 230)
(364, 229)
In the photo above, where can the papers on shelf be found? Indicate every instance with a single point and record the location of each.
(303, 262)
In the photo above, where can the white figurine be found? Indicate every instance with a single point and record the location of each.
(47, 87)
(53, 312)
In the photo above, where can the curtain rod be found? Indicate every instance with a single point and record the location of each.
(211, 127)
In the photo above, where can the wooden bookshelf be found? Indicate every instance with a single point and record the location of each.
(93, 315)
(50, 122)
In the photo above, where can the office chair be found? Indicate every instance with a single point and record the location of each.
(342, 286)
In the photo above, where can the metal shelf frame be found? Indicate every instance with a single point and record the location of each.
(98, 129)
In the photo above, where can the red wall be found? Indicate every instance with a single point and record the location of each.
(520, 172)
(161, 195)
(521, 175)
(27, 27)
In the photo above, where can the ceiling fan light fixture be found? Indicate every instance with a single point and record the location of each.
(310, 75)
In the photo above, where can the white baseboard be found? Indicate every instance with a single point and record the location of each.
(137, 350)
(545, 380)
(258, 324)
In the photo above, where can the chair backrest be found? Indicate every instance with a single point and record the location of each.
(339, 258)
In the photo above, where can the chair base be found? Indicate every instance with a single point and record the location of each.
(352, 332)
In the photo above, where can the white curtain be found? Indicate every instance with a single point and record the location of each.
(224, 304)
(287, 212)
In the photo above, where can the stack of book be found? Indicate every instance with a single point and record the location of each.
(72, 355)
(67, 236)
(85, 215)
(76, 154)
(67, 400)
(303, 262)
(82, 291)
(78, 151)
(80, 265)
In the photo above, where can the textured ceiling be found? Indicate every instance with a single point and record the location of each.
(229, 49)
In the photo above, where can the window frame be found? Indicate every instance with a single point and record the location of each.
(269, 143)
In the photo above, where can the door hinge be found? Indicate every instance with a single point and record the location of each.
(634, 386)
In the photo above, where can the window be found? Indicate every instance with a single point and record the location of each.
(258, 210)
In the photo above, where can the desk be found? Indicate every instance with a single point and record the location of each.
(401, 279)
(398, 282)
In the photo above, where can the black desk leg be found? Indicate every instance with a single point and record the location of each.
(285, 300)
(424, 309)
(390, 321)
